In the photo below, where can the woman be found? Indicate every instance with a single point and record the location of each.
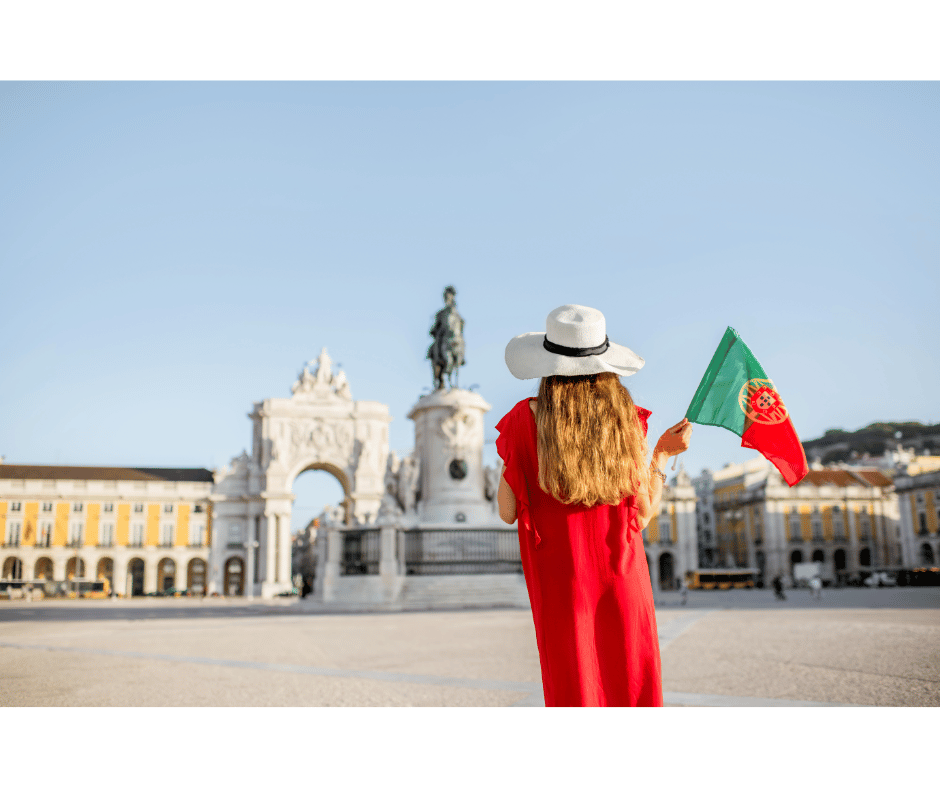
(575, 477)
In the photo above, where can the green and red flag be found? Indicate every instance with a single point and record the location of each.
(736, 394)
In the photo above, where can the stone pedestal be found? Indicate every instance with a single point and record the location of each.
(449, 441)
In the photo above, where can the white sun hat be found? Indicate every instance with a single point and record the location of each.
(574, 343)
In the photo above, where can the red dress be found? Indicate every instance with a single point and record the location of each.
(588, 582)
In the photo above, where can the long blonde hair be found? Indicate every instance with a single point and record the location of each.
(591, 446)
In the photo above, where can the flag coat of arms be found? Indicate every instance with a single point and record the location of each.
(735, 393)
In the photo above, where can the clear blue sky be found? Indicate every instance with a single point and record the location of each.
(173, 252)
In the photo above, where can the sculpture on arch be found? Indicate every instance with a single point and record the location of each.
(447, 351)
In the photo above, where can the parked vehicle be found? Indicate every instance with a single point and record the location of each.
(880, 580)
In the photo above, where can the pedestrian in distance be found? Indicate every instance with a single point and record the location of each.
(576, 479)
(815, 586)
(778, 588)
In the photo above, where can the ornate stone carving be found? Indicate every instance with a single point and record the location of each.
(321, 438)
(458, 429)
(321, 383)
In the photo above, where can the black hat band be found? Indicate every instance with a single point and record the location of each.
(561, 350)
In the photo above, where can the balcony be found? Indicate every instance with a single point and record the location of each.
(75, 543)
(12, 543)
(106, 543)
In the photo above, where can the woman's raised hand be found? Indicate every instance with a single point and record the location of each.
(675, 440)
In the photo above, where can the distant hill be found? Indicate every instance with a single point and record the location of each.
(841, 446)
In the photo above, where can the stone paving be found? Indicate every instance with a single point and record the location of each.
(868, 647)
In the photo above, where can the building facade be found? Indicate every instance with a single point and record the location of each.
(670, 539)
(919, 506)
(845, 518)
(141, 529)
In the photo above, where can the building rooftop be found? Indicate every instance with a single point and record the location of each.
(98, 473)
(844, 478)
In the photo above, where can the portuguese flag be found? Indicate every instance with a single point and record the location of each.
(736, 394)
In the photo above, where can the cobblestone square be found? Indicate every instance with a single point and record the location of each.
(864, 647)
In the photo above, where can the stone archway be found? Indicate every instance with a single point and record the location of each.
(44, 569)
(166, 574)
(234, 583)
(926, 554)
(319, 427)
(13, 569)
(840, 560)
(666, 571)
(135, 577)
(196, 577)
(105, 570)
(339, 476)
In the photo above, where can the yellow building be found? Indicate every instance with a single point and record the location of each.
(844, 518)
(141, 529)
(919, 505)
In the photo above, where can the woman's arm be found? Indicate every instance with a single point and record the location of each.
(673, 441)
(506, 500)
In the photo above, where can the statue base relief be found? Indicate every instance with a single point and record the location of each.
(449, 441)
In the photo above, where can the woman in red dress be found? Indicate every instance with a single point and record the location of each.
(575, 476)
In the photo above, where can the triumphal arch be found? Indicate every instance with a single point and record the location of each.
(318, 427)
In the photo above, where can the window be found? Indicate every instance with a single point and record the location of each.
(796, 532)
(137, 535)
(138, 508)
(76, 533)
(817, 529)
(197, 508)
(836, 510)
(198, 535)
(44, 537)
(838, 527)
(665, 529)
(922, 519)
(168, 508)
(166, 535)
(106, 535)
(16, 506)
(47, 506)
(13, 534)
(107, 507)
(77, 506)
